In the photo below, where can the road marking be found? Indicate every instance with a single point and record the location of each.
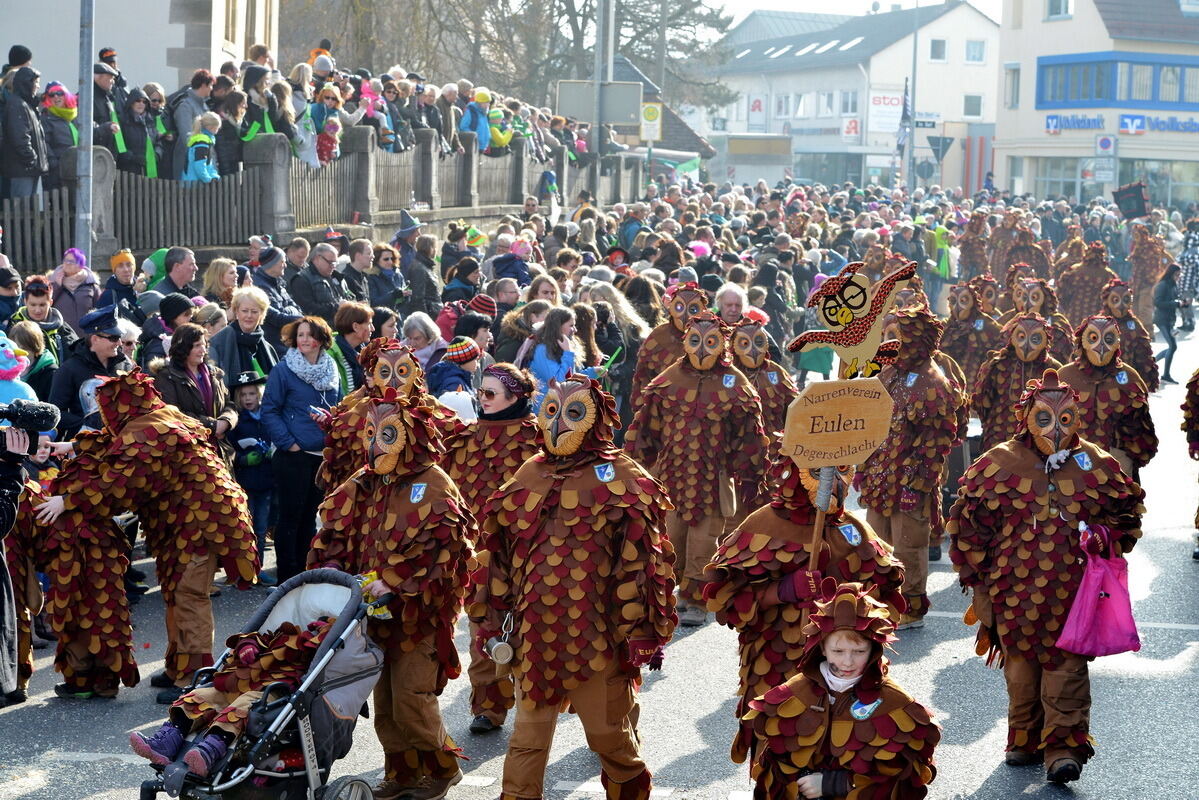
(60, 756)
(1163, 626)
(595, 787)
(476, 780)
(741, 795)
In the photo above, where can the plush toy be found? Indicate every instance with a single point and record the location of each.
(13, 362)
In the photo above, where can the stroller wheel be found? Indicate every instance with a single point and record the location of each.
(347, 787)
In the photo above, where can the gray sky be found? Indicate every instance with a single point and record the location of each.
(741, 8)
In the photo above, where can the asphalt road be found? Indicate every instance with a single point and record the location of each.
(1143, 715)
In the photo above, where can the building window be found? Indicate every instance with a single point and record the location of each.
(803, 106)
(976, 51)
(1011, 86)
(937, 48)
(849, 103)
(782, 106)
(1057, 177)
(972, 105)
(825, 107)
(231, 21)
(1189, 8)
(1059, 9)
(1190, 91)
(1168, 84)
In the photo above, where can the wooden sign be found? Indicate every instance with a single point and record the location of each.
(835, 423)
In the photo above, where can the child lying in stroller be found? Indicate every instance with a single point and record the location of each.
(255, 661)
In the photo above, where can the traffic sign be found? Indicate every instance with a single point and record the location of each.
(651, 122)
(940, 146)
(1105, 145)
(835, 423)
(925, 169)
(925, 123)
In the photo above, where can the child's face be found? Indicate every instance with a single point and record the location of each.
(249, 398)
(847, 653)
(43, 450)
(212, 127)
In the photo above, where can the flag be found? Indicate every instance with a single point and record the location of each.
(905, 121)
(688, 166)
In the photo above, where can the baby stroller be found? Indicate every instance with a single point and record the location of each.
(291, 740)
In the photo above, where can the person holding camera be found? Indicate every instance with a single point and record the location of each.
(16, 447)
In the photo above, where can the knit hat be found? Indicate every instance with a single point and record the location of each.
(322, 63)
(148, 302)
(19, 54)
(462, 350)
(484, 304)
(107, 54)
(173, 305)
(122, 256)
(270, 257)
(475, 237)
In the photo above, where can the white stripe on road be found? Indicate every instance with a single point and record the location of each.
(59, 756)
(595, 787)
(1163, 626)
(476, 780)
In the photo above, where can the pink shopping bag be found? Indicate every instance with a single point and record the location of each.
(1100, 622)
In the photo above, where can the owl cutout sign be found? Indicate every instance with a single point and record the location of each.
(852, 309)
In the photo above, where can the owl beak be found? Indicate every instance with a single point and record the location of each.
(555, 427)
(844, 316)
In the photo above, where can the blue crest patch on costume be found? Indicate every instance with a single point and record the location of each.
(851, 534)
(861, 711)
(418, 492)
(1132, 326)
(1122, 377)
(1083, 460)
(911, 381)
(730, 381)
(978, 324)
(773, 377)
(605, 472)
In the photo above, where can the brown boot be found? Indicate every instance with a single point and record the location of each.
(1023, 758)
(1063, 770)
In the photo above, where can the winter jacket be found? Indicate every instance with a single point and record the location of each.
(346, 356)
(510, 266)
(317, 295)
(630, 226)
(545, 367)
(58, 334)
(180, 390)
(105, 110)
(458, 289)
(73, 305)
(62, 132)
(451, 115)
(425, 288)
(201, 159)
(446, 376)
(235, 352)
(40, 375)
(190, 106)
(25, 153)
(228, 147)
(154, 341)
(251, 464)
(355, 285)
(1165, 304)
(140, 136)
(474, 120)
(114, 292)
(261, 118)
(282, 308)
(386, 288)
(286, 410)
(509, 340)
(80, 367)
(8, 307)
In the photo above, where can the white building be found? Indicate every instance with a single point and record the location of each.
(156, 40)
(839, 92)
(1097, 94)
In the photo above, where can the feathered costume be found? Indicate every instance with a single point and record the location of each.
(774, 386)
(972, 247)
(1003, 238)
(699, 431)
(901, 480)
(1015, 542)
(1003, 377)
(21, 544)
(401, 517)
(1136, 345)
(1027, 250)
(1014, 275)
(1113, 398)
(664, 345)
(1080, 284)
(871, 741)
(1190, 422)
(987, 289)
(1036, 296)
(1069, 254)
(770, 547)
(1149, 259)
(581, 573)
(970, 335)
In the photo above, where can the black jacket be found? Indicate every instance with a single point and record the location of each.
(1165, 303)
(58, 138)
(282, 308)
(228, 148)
(356, 285)
(25, 154)
(316, 294)
(255, 113)
(136, 130)
(425, 287)
(81, 366)
(103, 108)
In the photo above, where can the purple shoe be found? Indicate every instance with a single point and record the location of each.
(204, 754)
(161, 748)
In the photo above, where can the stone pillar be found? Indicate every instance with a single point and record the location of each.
(427, 157)
(271, 153)
(104, 177)
(518, 170)
(468, 170)
(361, 139)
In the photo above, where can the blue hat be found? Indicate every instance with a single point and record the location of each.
(101, 321)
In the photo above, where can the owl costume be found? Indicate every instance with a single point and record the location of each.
(1149, 259)
(1071, 253)
(972, 247)
(970, 335)
(580, 582)
(864, 735)
(987, 289)
(751, 350)
(1111, 396)
(1080, 284)
(760, 581)
(699, 431)
(22, 542)
(401, 517)
(1016, 273)
(1036, 488)
(1026, 250)
(664, 345)
(1035, 296)
(901, 481)
(1002, 239)
(1003, 377)
(1136, 345)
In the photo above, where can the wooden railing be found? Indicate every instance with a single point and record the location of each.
(37, 229)
(324, 195)
(149, 213)
(395, 179)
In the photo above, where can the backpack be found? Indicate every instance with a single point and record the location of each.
(448, 318)
(174, 100)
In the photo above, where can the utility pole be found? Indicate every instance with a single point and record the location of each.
(83, 168)
(911, 165)
(597, 74)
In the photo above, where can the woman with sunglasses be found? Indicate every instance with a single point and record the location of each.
(481, 458)
(140, 155)
(58, 115)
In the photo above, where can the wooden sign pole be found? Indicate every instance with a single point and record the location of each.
(824, 493)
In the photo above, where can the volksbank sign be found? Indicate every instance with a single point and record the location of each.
(1056, 123)
(1137, 124)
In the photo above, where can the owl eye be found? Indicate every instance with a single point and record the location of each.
(678, 307)
(1066, 419)
(550, 408)
(1037, 338)
(854, 296)
(576, 411)
(389, 434)
(693, 309)
(693, 340)
(369, 430)
(1044, 419)
(402, 370)
(710, 342)
(760, 341)
(384, 371)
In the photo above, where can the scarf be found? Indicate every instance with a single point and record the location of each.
(321, 376)
(203, 382)
(64, 113)
(517, 410)
(247, 348)
(835, 684)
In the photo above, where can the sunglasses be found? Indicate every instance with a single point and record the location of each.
(57, 94)
(109, 337)
(489, 394)
(156, 101)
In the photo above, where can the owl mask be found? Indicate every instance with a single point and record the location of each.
(962, 302)
(1099, 340)
(1034, 297)
(1029, 336)
(705, 341)
(391, 365)
(1117, 298)
(126, 397)
(844, 300)
(987, 290)
(909, 298)
(751, 346)
(400, 437)
(918, 333)
(1049, 411)
(686, 301)
(576, 414)
(1017, 273)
